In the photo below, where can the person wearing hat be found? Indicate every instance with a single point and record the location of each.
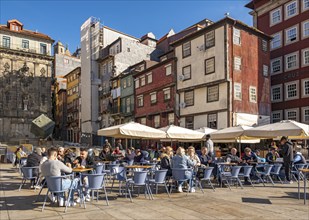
(287, 152)
(210, 146)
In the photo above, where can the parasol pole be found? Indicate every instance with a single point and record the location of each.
(239, 146)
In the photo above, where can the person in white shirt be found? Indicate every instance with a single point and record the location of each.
(210, 146)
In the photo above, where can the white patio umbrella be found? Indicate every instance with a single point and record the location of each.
(289, 128)
(179, 133)
(206, 130)
(132, 130)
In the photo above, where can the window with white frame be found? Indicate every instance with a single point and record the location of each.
(171, 118)
(167, 93)
(305, 87)
(143, 121)
(265, 70)
(291, 35)
(137, 83)
(275, 16)
(276, 116)
(213, 93)
(291, 114)
(291, 89)
(237, 91)
(236, 36)
(209, 39)
(305, 114)
(306, 57)
(212, 121)
(306, 29)
(186, 49)
(168, 70)
(153, 98)
(186, 71)
(253, 94)
(189, 98)
(157, 121)
(149, 78)
(143, 81)
(264, 45)
(276, 66)
(237, 63)
(276, 93)
(140, 101)
(276, 41)
(291, 61)
(291, 9)
(210, 65)
(190, 122)
(305, 5)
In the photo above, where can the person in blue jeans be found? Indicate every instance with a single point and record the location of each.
(180, 160)
(54, 167)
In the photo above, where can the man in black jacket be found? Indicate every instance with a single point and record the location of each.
(33, 160)
(287, 151)
(84, 160)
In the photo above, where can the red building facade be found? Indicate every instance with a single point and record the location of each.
(287, 21)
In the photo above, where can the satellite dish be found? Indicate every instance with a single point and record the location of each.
(182, 105)
(99, 118)
(181, 77)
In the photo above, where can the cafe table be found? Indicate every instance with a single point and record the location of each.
(305, 172)
(138, 167)
(81, 170)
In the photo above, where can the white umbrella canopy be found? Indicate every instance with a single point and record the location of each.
(231, 133)
(179, 133)
(206, 130)
(132, 130)
(289, 128)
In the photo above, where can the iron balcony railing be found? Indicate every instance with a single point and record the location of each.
(28, 49)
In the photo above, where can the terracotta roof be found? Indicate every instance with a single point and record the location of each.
(27, 32)
(15, 20)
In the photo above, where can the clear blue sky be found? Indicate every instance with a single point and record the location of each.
(62, 19)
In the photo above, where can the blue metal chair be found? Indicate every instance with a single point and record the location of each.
(233, 175)
(99, 168)
(266, 173)
(246, 173)
(120, 175)
(295, 171)
(139, 179)
(159, 178)
(179, 174)
(95, 183)
(276, 171)
(207, 175)
(27, 173)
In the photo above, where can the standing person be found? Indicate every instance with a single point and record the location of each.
(107, 144)
(210, 146)
(287, 151)
(119, 145)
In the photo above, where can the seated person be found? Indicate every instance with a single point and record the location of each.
(69, 157)
(153, 153)
(232, 157)
(193, 156)
(19, 154)
(140, 156)
(105, 154)
(298, 156)
(60, 155)
(166, 160)
(84, 161)
(204, 157)
(259, 158)
(272, 155)
(130, 154)
(33, 160)
(249, 156)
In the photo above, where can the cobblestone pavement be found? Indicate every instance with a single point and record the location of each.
(279, 202)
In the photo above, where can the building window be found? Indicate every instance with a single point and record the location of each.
(143, 121)
(186, 72)
(190, 122)
(43, 49)
(276, 41)
(210, 65)
(306, 29)
(291, 89)
(306, 57)
(291, 35)
(128, 105)
(305, 5)
(157, 121)
(275, 16)
(213, 93)
(167, 94)
(212, 121)
(265, 70)
(110, 66)
(168, 70)
(137, 83)
(276, 66)
(6, 41)
(305, 88)
(237, 63)
(306, 114)
(276, 92)
(129, 82)
(276, 116)
(140, 101)
(153, 98)
(186, 49)
(171, 118)
(291, 61)
(209, 39)
(291, 9)
(189, 98)
(149, 78)
(66, 61)
(124, 83)
(291, 114)
(237, 91)
(264, 45)
(25, 44)
(143, 81)
(253, 95)
(236, 36)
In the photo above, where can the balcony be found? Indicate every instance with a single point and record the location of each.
(18, 47)
(127, 109)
